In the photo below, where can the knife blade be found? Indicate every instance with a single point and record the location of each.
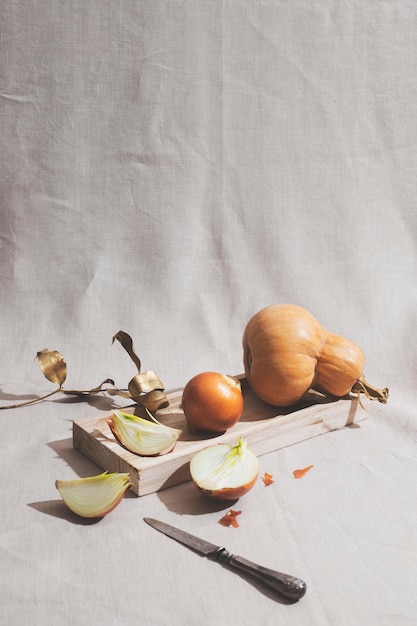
(289, 586)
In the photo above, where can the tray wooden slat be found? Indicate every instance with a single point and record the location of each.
(266, 429)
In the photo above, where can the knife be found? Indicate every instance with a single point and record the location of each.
(284, 584)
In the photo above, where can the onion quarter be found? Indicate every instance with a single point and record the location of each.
(94, 496)
(142, 436)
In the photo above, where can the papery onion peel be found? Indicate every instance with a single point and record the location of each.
(268, 479)
(299, 473)
(230, 519)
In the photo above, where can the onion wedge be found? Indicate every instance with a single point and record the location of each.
(142, 436)
(94, 496)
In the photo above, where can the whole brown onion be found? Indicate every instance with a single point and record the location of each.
(212, 402)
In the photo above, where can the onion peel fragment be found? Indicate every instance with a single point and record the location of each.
(230, 519)
(299, 473)
(267, 478)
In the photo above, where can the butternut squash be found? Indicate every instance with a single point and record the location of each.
(286, 352)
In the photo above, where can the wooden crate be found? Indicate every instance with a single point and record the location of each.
(265, 427)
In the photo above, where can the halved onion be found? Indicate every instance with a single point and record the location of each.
(94, 496)
(141, 436)
(225, 472)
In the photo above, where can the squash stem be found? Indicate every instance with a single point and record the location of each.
(371, 392)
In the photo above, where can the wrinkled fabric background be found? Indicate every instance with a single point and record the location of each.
(168, 168)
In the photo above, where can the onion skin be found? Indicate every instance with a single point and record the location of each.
(212, 402)
(228, 494)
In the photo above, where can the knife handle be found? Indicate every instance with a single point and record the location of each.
(289, 586)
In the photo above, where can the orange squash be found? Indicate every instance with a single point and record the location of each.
(286, 352)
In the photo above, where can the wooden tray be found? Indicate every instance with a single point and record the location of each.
(265, 427)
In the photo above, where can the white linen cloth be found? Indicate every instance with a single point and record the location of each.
(169, 168)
